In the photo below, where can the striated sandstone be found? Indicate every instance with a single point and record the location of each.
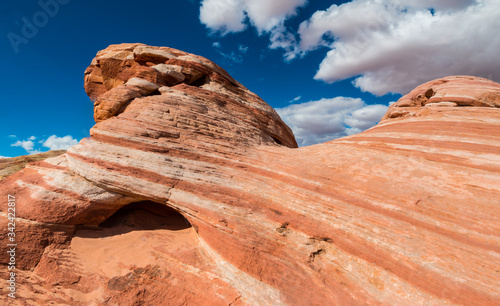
(9, 166)
(453, 91)
(195, 193)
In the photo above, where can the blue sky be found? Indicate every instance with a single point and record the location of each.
(330, 68)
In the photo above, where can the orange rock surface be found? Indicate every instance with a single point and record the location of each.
(191, 191)
(11, 165)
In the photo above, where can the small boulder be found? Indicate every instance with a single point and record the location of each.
(145, 86)
(171, 74)
(150, 54)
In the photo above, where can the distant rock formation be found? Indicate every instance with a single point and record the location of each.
(453, 91)
(191, 191)
(9, 166)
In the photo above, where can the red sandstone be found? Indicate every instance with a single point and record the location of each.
(229, 212)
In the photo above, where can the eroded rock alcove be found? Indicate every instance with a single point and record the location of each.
(145, 215)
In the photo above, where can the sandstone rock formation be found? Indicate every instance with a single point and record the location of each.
(9, 166)
(191, 191)
(454, 91)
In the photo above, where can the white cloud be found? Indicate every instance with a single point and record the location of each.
(326, 119)
(395, 45)
(4, 157)
(228, 16)
(295, 99)
(12, 136)
(389, 46)
(223, 15)
(365, 117)
(436, 4)
(280, 38)
(53, 143)
(60, 143)
(216, 44)
(266, 15)
(28, 145)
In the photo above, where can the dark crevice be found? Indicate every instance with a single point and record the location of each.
(142, 63)
(155, 93)
(430, 93)
(283, 229)
(323, 239)
(314, 254)
(277, 140)
(200, 82)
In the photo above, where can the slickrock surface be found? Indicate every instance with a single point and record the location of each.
(9, 166)
(227, 211)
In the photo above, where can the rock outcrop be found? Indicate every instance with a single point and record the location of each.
(454, 91)
(12, 165)
(191, 191)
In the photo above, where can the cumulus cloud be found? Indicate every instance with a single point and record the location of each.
(60, 143)
(228, 16)
(266, 15)
(53, 143)
(326, 119)
(223, 15)
(388, 46)
(28, 145)
(395, 45)
(281, 38)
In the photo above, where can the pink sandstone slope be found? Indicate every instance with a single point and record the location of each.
(191, 191)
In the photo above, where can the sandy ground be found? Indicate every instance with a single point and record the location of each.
(130, 241)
